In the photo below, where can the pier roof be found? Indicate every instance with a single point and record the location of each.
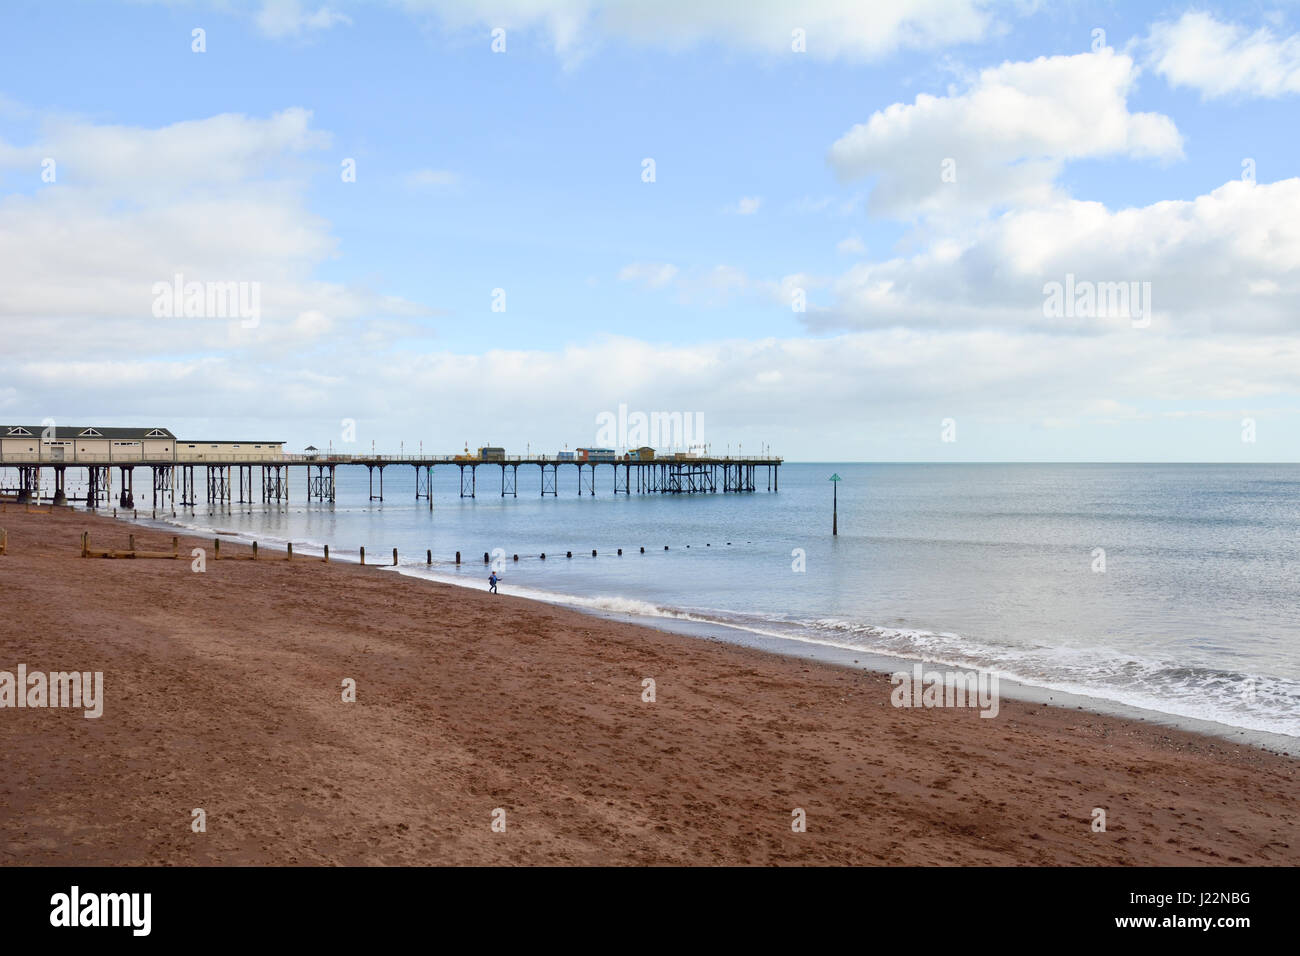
(68, 432)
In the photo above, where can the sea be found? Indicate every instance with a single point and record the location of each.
(1171, 590)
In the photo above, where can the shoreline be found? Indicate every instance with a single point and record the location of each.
(790, 646)
(225, 685)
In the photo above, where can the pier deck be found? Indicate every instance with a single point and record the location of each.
(223, 477)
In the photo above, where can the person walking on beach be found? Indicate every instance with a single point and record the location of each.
(492, 582)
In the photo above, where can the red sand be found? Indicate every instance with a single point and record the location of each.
(223, 692)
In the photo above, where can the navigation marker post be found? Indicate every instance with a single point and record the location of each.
(835, 503)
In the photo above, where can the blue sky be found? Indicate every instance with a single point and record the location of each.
(1115, 161)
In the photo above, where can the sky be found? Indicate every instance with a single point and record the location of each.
(936, 230)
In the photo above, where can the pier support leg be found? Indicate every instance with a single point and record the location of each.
(127, 497)
(219, 485)
(468, 489)
(424, 483)
(162, 483)
(188, 496)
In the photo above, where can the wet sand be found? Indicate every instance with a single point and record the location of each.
(223, 692)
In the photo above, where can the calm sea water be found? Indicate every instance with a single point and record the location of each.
(992, 566)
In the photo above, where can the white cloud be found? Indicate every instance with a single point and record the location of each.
(1220, 59)
(1004, 140)
(1224, 263)
(225, 150)
(285, 18)
(653, 275)
(748, 205)
(834, 29)
(888, 387)
(214, 200)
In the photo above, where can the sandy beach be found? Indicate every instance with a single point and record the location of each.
(223, 691)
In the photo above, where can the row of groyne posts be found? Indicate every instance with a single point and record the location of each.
(130, 551)
(175, 483)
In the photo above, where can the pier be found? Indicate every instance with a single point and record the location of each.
(222, 478)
